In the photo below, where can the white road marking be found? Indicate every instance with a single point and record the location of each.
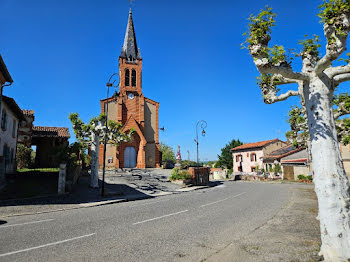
(46, 245)
(150, 203)
(172, 214)
(27, 223)
(221, 200)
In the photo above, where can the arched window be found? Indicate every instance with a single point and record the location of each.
(127, 77)
(133, 77)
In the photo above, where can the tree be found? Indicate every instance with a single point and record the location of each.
(225, 159)
(316, 82)
(167, 153)
(93, 134)
(24, 156)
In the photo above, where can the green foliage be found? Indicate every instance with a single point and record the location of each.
(258, 34)
(331, 13)
(259, 26)
(346, 60)
(304, 178)
(225, 159)
(177, 174)
(277, 54)
(310, 45)
(301, 177)
(167, 153)
(277, 168)
(38, 170)
(268, 85)
(24, 157)
(299, 133)
(187, 163)
(113, 133)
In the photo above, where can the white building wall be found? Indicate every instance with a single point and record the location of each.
(247, 163)
(7, 138)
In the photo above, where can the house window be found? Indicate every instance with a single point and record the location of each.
(14, 128)
(239, 158)
(4, 120)
(133, 77)
(253, 157)
(127, 77)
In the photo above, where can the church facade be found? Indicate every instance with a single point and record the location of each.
(131, 108)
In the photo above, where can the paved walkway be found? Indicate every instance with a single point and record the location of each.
(293, 234)
(119, 186)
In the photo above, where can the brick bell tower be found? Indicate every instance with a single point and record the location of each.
(133, 110)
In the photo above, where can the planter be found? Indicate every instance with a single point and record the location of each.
(182, 182)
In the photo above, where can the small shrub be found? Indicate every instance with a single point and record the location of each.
(176, 174)
(184, 174)
(277, 168)
(309, 178)
(301, 177)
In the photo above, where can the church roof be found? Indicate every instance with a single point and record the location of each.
(129, 49)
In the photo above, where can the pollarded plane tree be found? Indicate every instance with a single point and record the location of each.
(299, 133)
(316, 85)
(93, 134)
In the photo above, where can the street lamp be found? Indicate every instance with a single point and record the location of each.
(109, 84)
(203, 126)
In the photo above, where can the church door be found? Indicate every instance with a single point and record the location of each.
(129, 157)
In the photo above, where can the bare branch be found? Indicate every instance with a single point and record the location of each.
(283, 80)
(333, 71)
(284, 96)
(266, 67)
(341, 78)
(336, 42)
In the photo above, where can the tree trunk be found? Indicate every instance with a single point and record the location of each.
(331, 182)
(94, 160)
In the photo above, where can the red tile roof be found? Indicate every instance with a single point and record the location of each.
(28, 112)
(48, 131)
(282, 152)
(254, 145)
(299, 160)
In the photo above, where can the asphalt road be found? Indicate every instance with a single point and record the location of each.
(181, 227)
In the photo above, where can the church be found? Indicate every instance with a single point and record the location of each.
(131, 108)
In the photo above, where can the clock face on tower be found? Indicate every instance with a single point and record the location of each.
(131, 96)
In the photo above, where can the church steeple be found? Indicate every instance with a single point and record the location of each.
(129, 49)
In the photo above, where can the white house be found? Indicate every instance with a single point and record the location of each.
(10, 117)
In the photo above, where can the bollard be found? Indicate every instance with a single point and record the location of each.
(62, 179)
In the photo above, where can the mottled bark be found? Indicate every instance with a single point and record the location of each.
(331, 182)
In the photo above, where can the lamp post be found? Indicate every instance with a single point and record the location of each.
(109, 84)
(203, 126)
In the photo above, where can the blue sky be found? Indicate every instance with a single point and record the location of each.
(61, 53)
